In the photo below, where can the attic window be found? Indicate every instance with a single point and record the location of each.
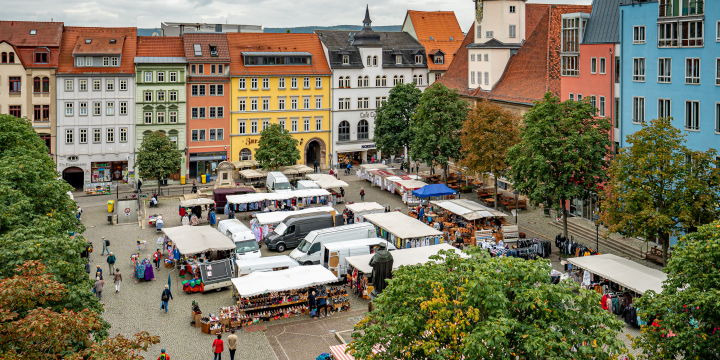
(198, 49)
(33, 32)
(398, 59)
(451, 38)
(213, 50)
(431, 38)
(113, 41)
(87, 41)
(346, 59)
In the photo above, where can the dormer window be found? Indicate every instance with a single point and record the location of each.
(41, 57)
(346, 60)
(439, 59)
(431, 38)
(88, 41)
(451, 39)
(33, 32)
(398, 59)
(80, 61)
(198, 49)
(213, 50)
(418, 59)
(113, 41)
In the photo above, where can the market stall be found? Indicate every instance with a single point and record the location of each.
(329, 183)
(259, 201)
(263, 224)
(359, 210)
(362, 170)
(196, 202)
(251, 175)
(403, 230)
(468, 222)
(406, 188)
(434, 190)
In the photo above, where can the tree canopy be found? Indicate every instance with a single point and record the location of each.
(485, 308)
(393, 119)
(437, 126)
(158, 157)
(276, 148)
(687, 307)
(564, 152)
(488, 133)
(660, 188)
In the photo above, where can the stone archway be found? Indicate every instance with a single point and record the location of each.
(315, 149)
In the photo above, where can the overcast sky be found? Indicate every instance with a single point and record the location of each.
(269, 13)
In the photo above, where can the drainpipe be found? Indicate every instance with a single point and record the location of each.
(622, 83)
(612, 94)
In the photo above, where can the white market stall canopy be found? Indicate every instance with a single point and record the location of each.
(302, 168)
(261, 282)
(251, 174)
(320, 177)
(401, 225)
(196, 202)
(627, 273)
(255, 197)
(410, 184)
(404, 257)
(365, 206)
(276, 217)
(197, 239)
(331, 184)
(373, 166)
(468, 209)
(244, 164)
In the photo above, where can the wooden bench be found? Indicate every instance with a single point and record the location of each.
(656, 254)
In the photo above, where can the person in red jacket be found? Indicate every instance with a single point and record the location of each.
(217, 346)
(163, 355)
(157, 257)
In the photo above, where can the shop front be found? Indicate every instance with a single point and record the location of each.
(82, 172)
(206, 163)
(357, 155)
(107, 171)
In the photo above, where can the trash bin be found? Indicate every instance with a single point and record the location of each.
(182, 180)
(202, 178)
(111, 205)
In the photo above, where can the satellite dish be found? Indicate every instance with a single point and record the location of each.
(155, 33)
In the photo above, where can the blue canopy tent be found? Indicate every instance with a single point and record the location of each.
(433, 191)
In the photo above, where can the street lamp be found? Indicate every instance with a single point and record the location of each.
(597, 232)
(516, 206)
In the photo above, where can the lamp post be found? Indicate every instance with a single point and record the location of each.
(597, 232)
(515, 192)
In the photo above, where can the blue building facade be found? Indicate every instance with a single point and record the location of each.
(670, 62)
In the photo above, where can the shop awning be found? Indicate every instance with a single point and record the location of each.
(196, 202)
(627, 273)
(244, 164)
(401, 225)
(276, 217)
(255, 197)
(434, 190)
(403, 257)
(468, 209)
(197, 239)
(364, 206)
(251, 174)
(282, 280)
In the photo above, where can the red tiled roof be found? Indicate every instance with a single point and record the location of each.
(17, 51)
(160, 46)
(105, 45)
(277, 42)
(74, 37)
(441, 26)
(208, 78)
(205, 40)
(533, 14)
(456, 76)
(18, 33)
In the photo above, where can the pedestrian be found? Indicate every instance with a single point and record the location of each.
(111, 263)
(342, 193)
(402, 166)
(98, 272)
(317, 164)
(166, 295)
(362, 194)
(98, 287)
(232, 344)
(157, 257)
(117, 277)
(383, 162)
(194, 187)
(105, 244)
(312, 304)
(217, 347)
(139, 186)
(321, 305)
(163, 355)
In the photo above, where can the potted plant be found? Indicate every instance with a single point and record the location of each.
(467, 189)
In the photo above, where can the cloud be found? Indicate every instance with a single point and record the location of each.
(269, 13)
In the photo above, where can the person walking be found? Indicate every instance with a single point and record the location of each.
(312, 304)
(98, 287)
(117, 277)
(165, 297)
(105, 244)
(217, 347)
(342, 193)
(316, 165)
(362, 194)
(98, 272)
(163, 355)
(111, 263)
(321, 305)
(157, 257)
(232, 344)
(194, 187)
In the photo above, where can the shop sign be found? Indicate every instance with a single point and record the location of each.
(367, 114)
(249, 141)
(62, 165)
(371, 146)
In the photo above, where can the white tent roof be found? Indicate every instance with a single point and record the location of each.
(373, 166)
(467, 209)
(278, 216)
(302, 168)
(254, 197)
(244, 164)
(249, 174)
(364, 206)
(331, 184)
(627, 273)
(411, 184)
(196, 239)
(289, 279)
(196, 202)
(320, 177)
(401, 225)
(404, 257)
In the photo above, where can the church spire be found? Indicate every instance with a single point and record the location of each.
(367, 21)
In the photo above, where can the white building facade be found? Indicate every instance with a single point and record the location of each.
(366, 65)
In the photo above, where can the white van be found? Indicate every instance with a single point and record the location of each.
(246, 246)
(277, 182)
(306, 184)
(308, 252)
(334, 254)
(270, 263)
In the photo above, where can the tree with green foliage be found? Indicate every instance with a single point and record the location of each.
(158, 157)
(563, 153)
(277, 147)
(488, 133)
(655, 192)
(393, 119)
(437, 126)
(485, 308)
(31, 329)
(687, 307)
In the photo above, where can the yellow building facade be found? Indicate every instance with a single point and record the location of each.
(276, 86)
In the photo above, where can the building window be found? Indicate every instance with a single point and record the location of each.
(472, 57)
(369, 61)
(489, 34)
(41, 57)
(254, 84)
(253, 127)
(360, 81)
(579, 97)
(201, 133)
(366, 81)
(306, 124)
(347, 82)
(193, 135)
(96, 85)
(173, 76)
(110, 85)
(664, 108)
(245, 154)
(692, 115)
(281, 121)
(123, 108)
(241, 84)
(110, 108)
(512, 31)
(375, 61)
(638, 108)
(212, 90)
(106, 61)
(512, 9)
(318, 102)
(692, 33)
(639, 69)
(472, 77)
(717, 118)
(97, 108)
(123, 135)
(110, 135)
(692, 71)
(148, 96)
(478, 32)
(486, 56)
(68, 136)
(212, 68)
(487, 78)
(293, 83)
(161, 118)
(418, 59)
(346, 59)
(201, 69)
(173, 96)
(281, 103)
(593, 102)
(220, 89)
(293, 104)
(293, 125)
(664, 70)
(638, 34)
(192, 69)
(363, 130)
(572, 97)
(398, 59)
(265, 124)
(173, 117)
(14, 84)
(593, 65)
(68, 109)
(46, 113)
(123, 85)
(83, 136)
(318, 124)
(241, 105)
(148, 76)
(83, 85)
(281, 83)
(148, 116)
(161, 76)
(318, 83)
(438, 59)
(344, 131)
(570, 65)
(602, 65)
(68, 85)
(395, 80)
(201, 113)
(83, 109)
(266, 104)
(241, 126)
(97, 136)
(601, 106)
(341, 104)
(37, 113)
(201, 90)
(667, 34)
(78, 62)
(266, 84)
